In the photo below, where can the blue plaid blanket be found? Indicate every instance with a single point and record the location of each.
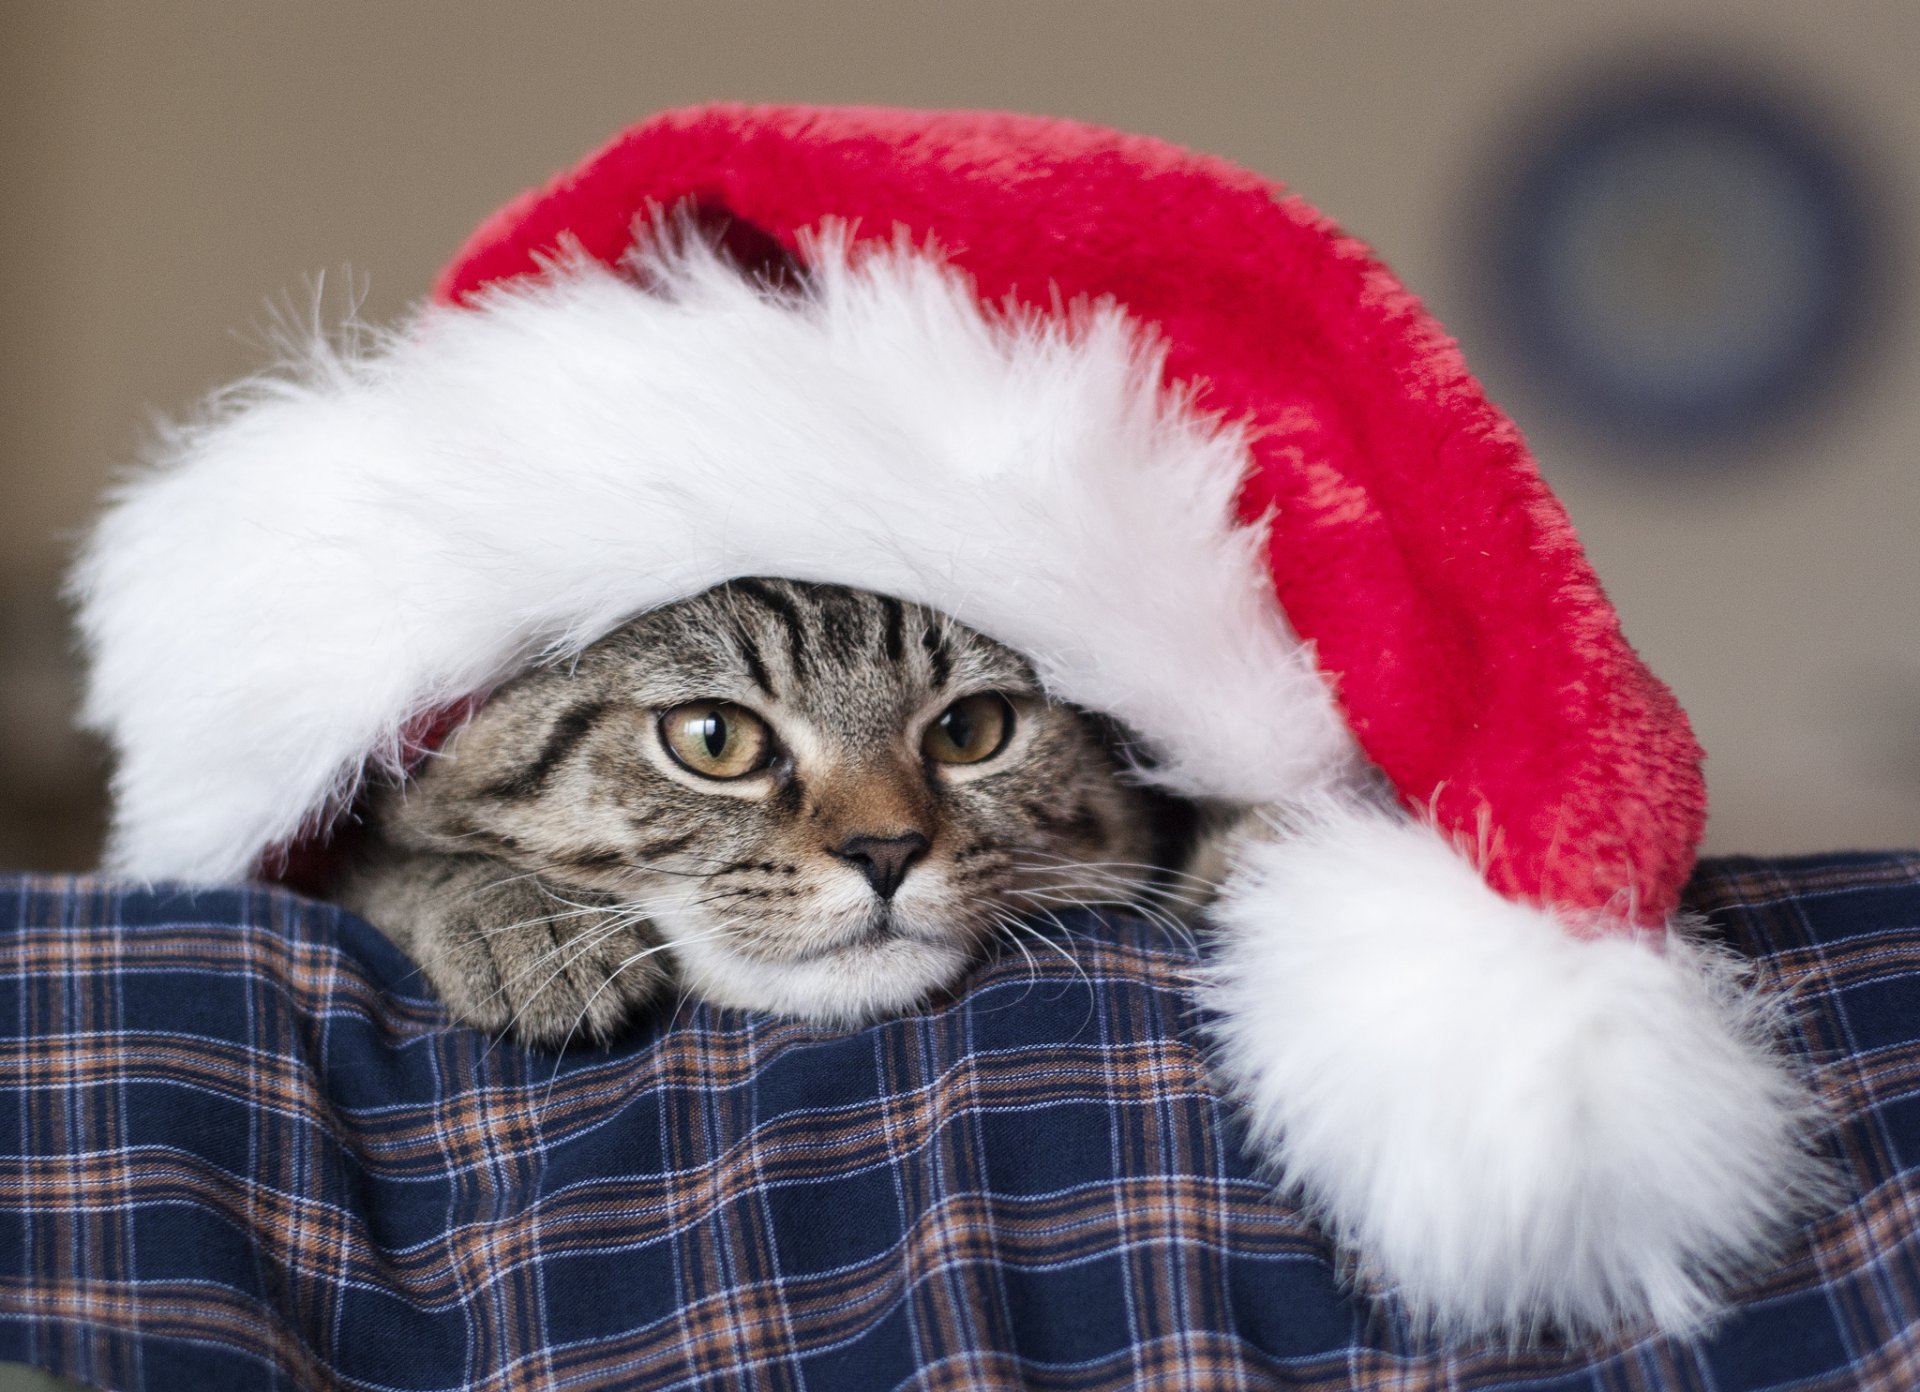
(240, 1147)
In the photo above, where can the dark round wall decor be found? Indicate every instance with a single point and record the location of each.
(1680, 261)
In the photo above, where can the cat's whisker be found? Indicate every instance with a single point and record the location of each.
(582, 944)
(586, 943)
(617, 917)
(1172, 925)
(625, 908)
(1106, 889)
(1007, 934)
(547, 871)
(1020, 926)
(506, 880)
(672, 874)
(1060, 927)
(1093, 896)
(1176, 899)
(525, 1005)
(573, 949)
(718, 896)
(1131, 884)
(546, 887)
(579, 943)
(1056, 858)
(1146, 867)
(1033, 967)
(1071, 896)
(1118, 879)
(686, 994)
(587, 1008)
(711, 867)
(1089, 892)
(544, 920)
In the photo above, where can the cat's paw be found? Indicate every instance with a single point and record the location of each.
(510, 955)
(550, 983)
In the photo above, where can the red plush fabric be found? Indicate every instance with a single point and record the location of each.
(1412, 540)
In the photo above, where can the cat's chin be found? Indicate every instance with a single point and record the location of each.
(862, 982)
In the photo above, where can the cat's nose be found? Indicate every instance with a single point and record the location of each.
(884, 860)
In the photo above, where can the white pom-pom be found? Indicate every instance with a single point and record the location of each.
(1517, 1125)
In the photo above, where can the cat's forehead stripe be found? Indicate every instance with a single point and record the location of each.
(826, 625)
(935, 642)
(783, 608)
(893, 618)
(797, 643)
(750, 654)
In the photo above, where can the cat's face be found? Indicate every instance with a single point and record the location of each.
(824, 800)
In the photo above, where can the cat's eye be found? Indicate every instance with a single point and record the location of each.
(970, 730)
(717, 739)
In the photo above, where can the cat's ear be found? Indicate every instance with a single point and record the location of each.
(753, 251)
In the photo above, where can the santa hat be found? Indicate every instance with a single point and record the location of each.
(1161, 427)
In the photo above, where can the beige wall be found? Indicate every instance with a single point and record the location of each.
(171, 168)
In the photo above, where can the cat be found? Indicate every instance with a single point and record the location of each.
(799, 798)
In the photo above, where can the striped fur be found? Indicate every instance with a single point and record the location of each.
(554, 868)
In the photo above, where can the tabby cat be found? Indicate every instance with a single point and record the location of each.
(799, 798)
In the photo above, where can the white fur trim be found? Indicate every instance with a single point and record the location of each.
(1517, 1123)
(398, 525)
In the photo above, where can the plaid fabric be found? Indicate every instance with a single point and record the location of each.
(240, 1148)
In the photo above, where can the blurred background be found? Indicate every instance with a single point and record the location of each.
(1678, 241)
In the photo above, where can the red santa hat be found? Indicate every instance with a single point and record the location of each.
(1160, 426)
